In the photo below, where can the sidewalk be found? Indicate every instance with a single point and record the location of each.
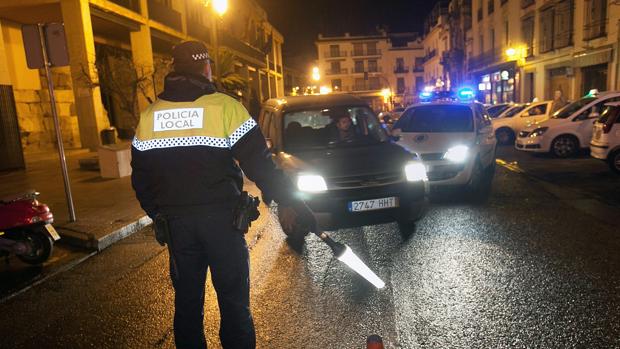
(106, 209)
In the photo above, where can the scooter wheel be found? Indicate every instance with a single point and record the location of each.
(41, 247)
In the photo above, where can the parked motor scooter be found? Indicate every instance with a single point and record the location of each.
(26, 228)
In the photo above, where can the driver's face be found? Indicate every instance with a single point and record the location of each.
(344, 124)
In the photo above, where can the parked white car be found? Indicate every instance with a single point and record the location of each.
(508, 126)
(455, 141)
(605, 144)
(568, 130)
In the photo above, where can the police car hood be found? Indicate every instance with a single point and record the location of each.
(550, 122)
(424, 143)
(350, 161)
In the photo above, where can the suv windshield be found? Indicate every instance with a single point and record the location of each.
(571, 108)
(609, 114)
(331, 127)
(437, 118)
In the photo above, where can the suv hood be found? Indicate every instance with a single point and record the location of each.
(351, 161)
(423, 143)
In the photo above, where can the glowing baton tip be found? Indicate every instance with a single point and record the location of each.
(354, 262)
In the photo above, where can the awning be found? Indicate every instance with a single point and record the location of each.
(584, 59)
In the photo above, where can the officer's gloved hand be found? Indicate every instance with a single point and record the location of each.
(297, 219)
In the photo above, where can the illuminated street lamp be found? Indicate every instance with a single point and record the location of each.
(220, 6)
(316, 75)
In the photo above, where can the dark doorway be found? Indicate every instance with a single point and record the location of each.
(11, 155)
(594, 77)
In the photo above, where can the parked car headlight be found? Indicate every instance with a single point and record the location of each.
(458, 153)
(311, 183)
(415, 171)
(539, 131)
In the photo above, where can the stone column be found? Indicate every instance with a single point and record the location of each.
(81, 46)
(142, 55)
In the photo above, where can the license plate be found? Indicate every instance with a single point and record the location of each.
(374, 204)
(50, 229)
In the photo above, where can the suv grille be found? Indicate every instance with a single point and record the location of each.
(432, 156)
(365, 180)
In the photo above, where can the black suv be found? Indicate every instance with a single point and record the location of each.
(344, 164)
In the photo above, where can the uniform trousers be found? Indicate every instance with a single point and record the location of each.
(202, 242)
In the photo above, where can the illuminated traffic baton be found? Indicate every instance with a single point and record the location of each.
(344, 254)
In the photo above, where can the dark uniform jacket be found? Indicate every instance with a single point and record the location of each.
(186, 144)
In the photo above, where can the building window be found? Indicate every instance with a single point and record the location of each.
(372, 66)
(506, 33)
(563, 24)
(596, 19)
(335, 67)
(337, 85)
(360, 84)
(358, 49)
(479, 12)
(419, 64)
(419, 83)
(492, 40)
(334, 50)
(546, 30)
(481, 44)
(359, 66)
(374, 83)
(372, 48)
(527, 31)
(400, 86)
(400, 65)
(491, 6)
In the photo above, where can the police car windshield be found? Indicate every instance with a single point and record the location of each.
(437, 118)
(571, 108)
(331, 127)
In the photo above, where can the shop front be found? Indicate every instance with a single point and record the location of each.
(497, 84)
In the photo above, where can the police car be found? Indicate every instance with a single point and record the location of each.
(569, 129)
(455, 140)
(358, 180)
(605, 144)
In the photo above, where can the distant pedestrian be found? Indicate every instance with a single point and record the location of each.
(186, 177)
(559, 101)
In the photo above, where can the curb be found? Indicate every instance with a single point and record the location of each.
(578, 200)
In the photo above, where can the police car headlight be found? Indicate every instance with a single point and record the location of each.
(539, 131)
(459, 153)
(415, 172)
(311, 183)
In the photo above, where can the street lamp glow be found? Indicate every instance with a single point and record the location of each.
(386, 93)
(324, 90)
(316, 75)
(220, 6)
(511, 52)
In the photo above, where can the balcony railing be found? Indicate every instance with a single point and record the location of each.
(361, 70)
(133, 5)
(164, 15)
(418, 69)
(340, 71)
(401, 70)
(331, 54)
(367, 86)
(485, 59)
(527, 3)
(199, 31)
(360, 53)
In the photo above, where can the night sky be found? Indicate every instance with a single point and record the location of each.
(301, 21)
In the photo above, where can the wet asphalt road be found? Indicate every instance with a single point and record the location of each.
(523, 270)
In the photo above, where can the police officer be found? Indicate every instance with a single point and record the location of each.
(184, 170)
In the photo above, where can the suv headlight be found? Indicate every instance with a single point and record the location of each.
(311, 183)
(415, 171)
(539, 131)
(458, 153)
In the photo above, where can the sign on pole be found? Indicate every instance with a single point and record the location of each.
(46, 47)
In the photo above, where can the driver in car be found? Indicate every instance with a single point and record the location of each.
(343, 129)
